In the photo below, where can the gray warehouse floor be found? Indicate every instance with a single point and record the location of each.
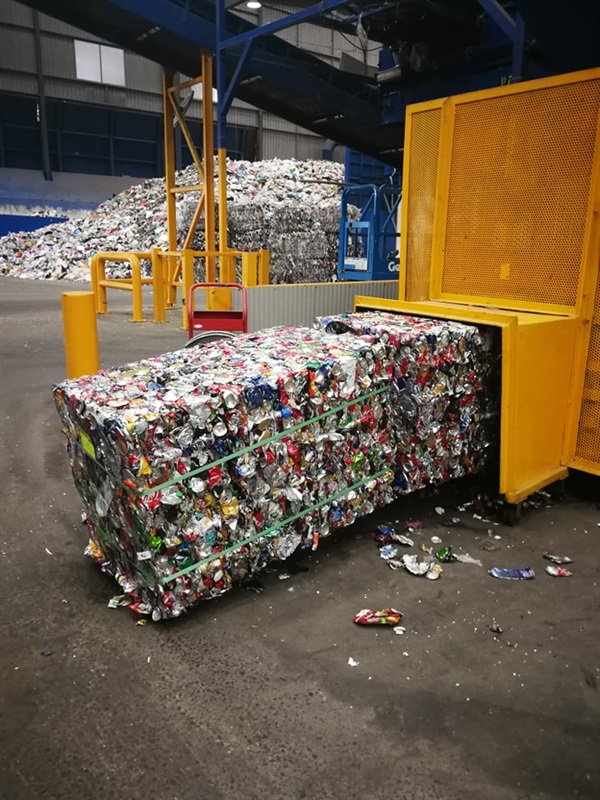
(252, 696)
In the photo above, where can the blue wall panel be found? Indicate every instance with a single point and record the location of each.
(20, 222)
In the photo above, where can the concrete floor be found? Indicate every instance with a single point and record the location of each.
(251, 696)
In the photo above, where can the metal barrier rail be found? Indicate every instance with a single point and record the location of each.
(134, 284)
(173, 269)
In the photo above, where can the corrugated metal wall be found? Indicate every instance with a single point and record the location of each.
(299, 304)
(278, 138)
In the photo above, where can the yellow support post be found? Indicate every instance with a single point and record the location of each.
(222, 161)
(136, 289)
(222, 297)
(169, 147)
(209, 171)
(81, 333)
(264, 257)
(98, 272)
(249, 269)
(187, 279)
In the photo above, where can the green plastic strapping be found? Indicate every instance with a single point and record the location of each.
(273, 530)
(238, 453)
(262, 442)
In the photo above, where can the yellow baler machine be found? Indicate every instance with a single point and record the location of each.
(500, 226)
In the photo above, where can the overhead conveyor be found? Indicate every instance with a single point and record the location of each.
(277, 77)
(427, 50)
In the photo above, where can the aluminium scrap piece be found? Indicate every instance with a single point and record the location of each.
(446, 420)
(153, 444)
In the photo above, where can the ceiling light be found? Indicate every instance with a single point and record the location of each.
(253, 4)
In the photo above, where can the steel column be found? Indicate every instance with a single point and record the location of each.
(208, 152)
(169, 138)
(37, 41)
(518, 53)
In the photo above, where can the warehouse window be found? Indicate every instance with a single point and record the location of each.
(99, 63)
(197, 91)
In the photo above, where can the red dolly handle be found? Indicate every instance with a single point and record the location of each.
(226, 320)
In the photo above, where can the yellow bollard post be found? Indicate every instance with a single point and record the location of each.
(264, 257)
(81, 333)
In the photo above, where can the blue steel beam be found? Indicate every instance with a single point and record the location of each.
(518, 54)
(500, 16)
(235, 78)
(223, 43)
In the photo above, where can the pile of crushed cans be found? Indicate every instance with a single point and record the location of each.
(199, 467)
(289, 207)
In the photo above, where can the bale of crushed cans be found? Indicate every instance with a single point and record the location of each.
(448, 376)
(199, 467)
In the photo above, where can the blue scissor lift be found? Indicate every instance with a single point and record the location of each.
(369, 246)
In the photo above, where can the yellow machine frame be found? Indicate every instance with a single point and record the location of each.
(500, 226)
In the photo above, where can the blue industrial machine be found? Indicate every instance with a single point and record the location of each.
(369, 246)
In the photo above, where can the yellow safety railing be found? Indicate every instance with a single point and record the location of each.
(134, 284)
(172, 270)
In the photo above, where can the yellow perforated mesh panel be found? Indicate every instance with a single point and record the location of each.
(588, 436)
(518, 194)
(422, 175)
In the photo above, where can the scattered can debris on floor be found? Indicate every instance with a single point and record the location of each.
(384, 616)
(521, 574)
(558, 572)
(557, 559)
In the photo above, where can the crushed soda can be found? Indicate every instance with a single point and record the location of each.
(383, 534)
(120, 600)
(380, 538)
(400, 538)
(465, 558)
(523, 574)
(388, 551)
(394, 564)
(444, 554)
(434, 572)
(558, 572)
(412, 564)
(557, 559)
(385, 616)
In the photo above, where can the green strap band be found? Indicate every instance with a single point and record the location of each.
(238, 453)
(262, 442)
(273, 529)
